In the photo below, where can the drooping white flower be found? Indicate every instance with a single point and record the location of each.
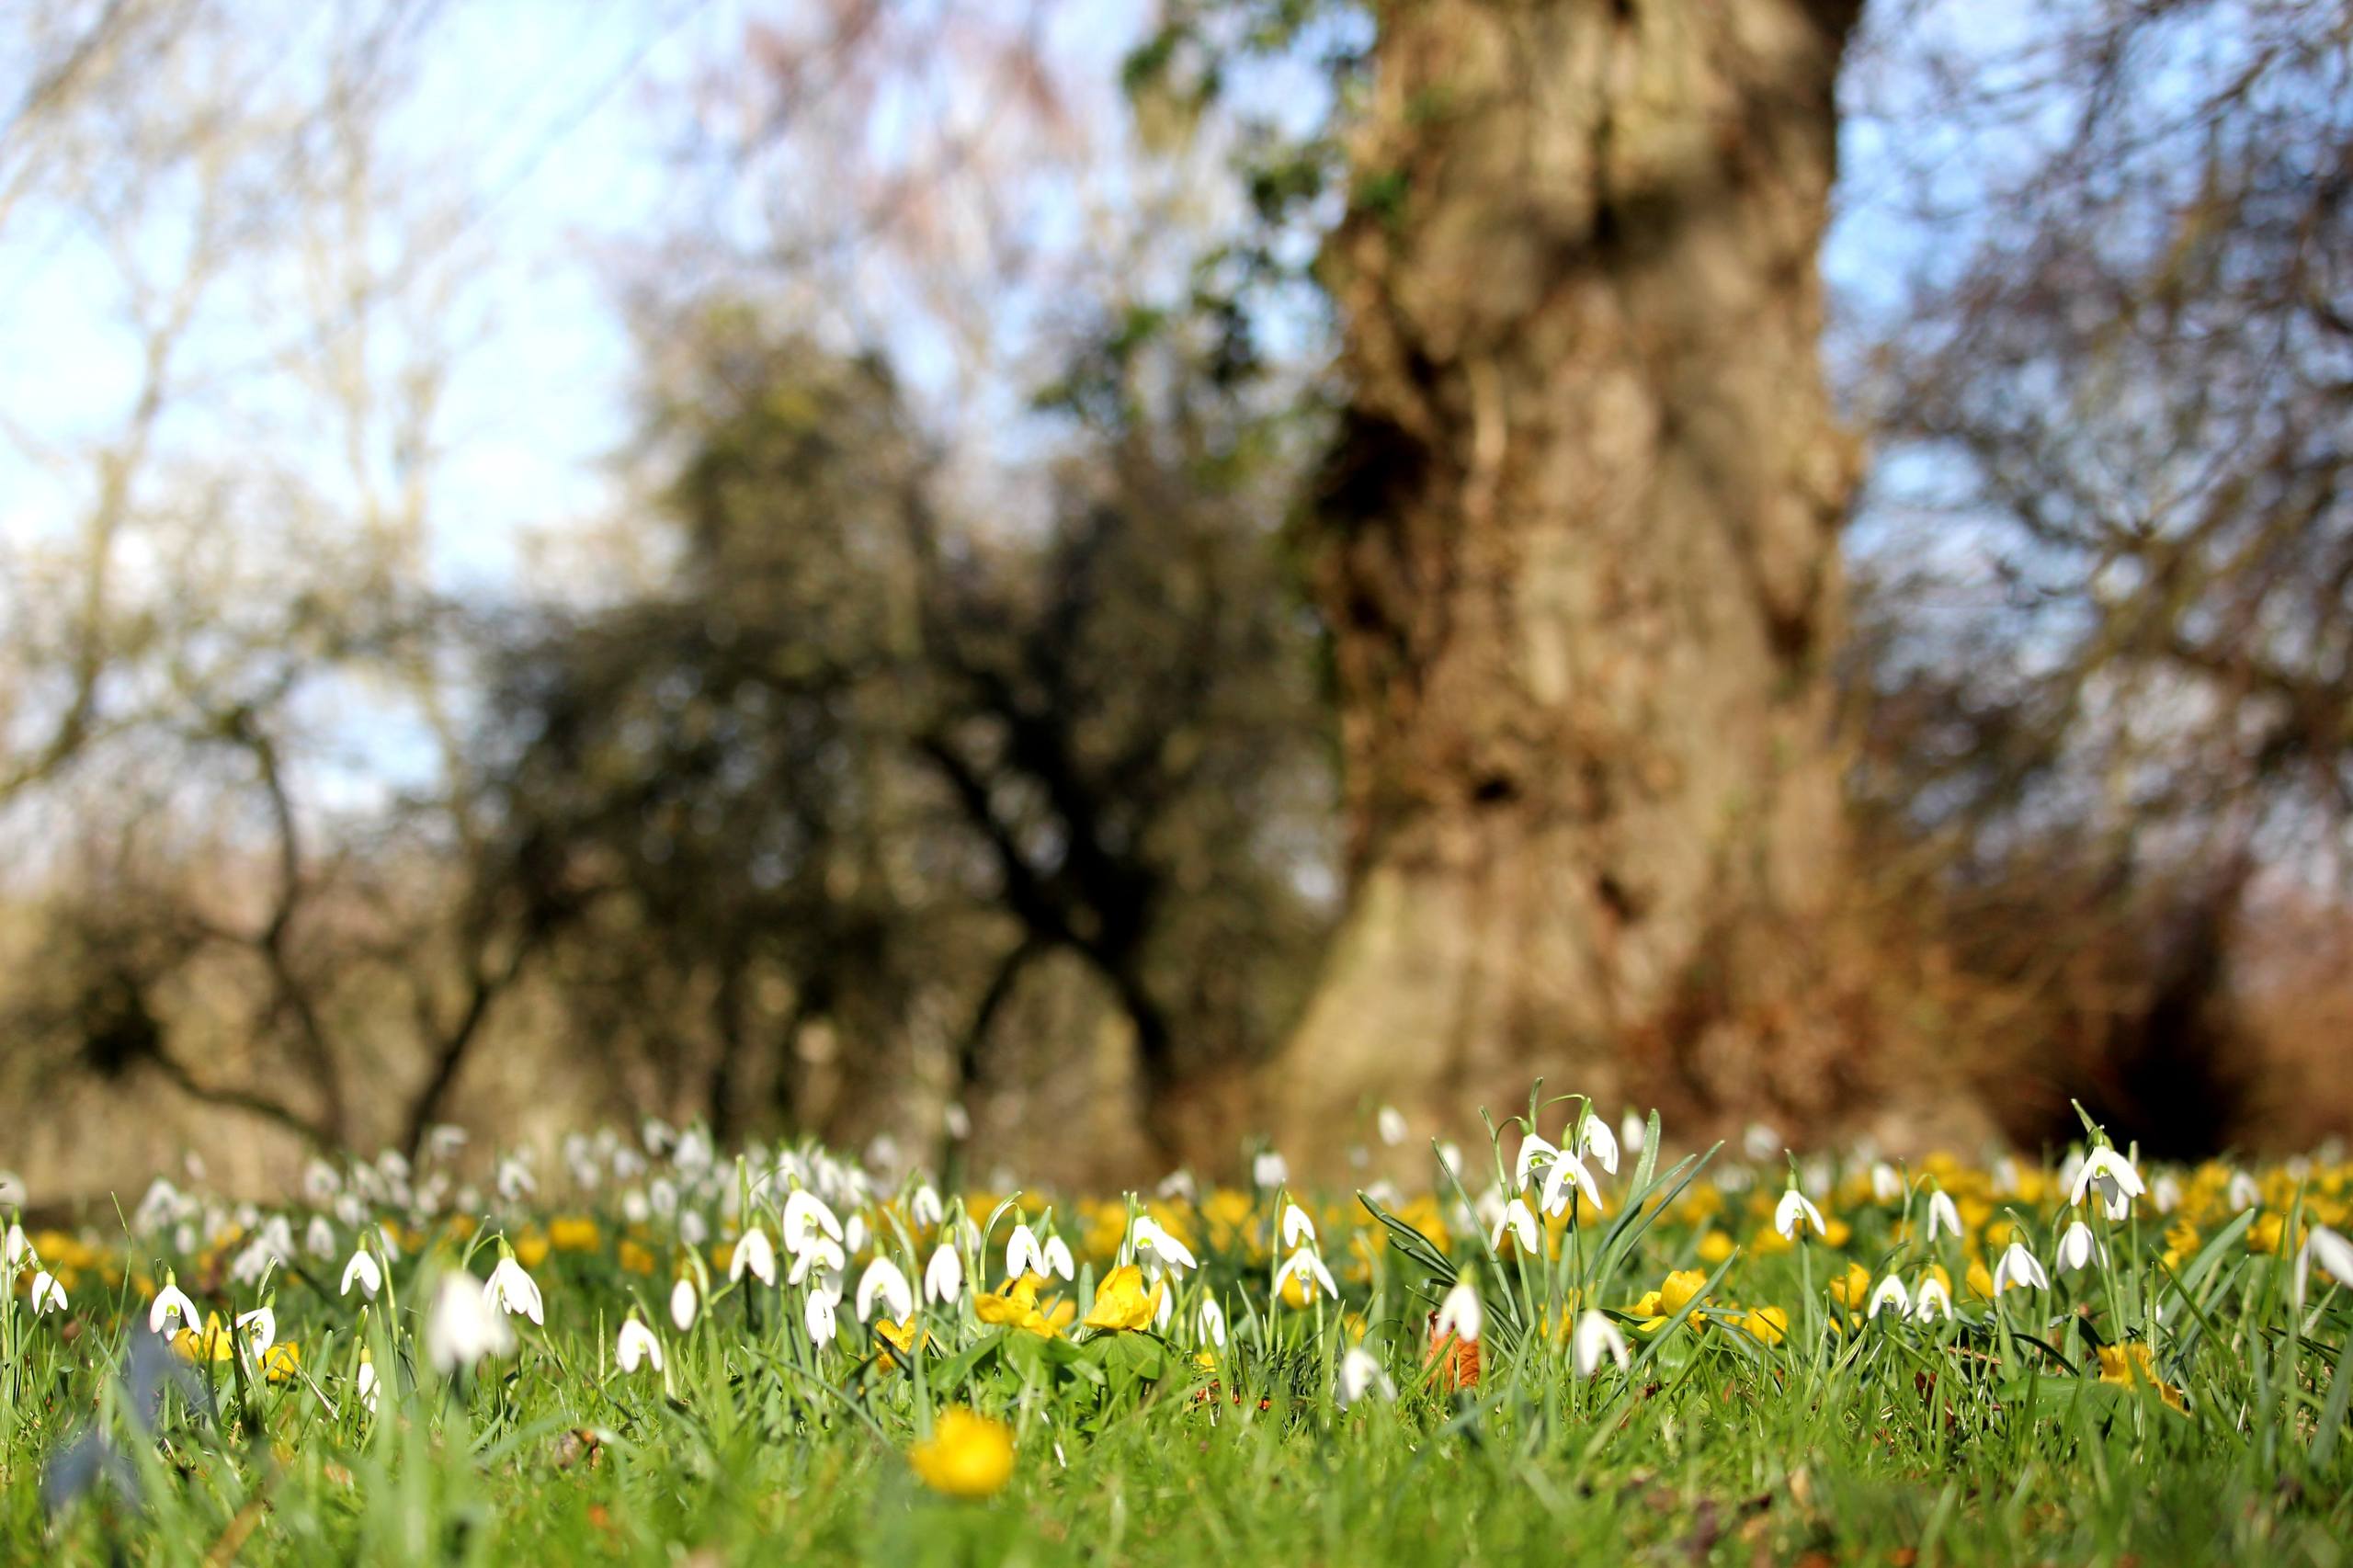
(461, 1328)
(636, 1347)
(1568, 1171)
(1932, 1298)
(684, 1304)
(1597, 1336)
(1178, 1184)
(1633, 1133)
(1520, 1221)
(2331, 1251)
(1309, 1270)
(1887, 1186)
(2107, 1172)
(1361, 1374)
(49, 1296)
(693, 1229)
(885, 1278)
(821, 1254)
(1211, 1320)
(853, 1233)
(1535, 1154)
(1794, 1211)
(515, 1180)
(2079, 1249)
(1162, 1315)
(171, 1310)
(14, 1250)
(956, 1121)
(1890, 1293)
(258, 1328)
(12, 1190)
(1449, 1156)
(1460, 1315)
(817, 1316)
(1942, 1215)
(2165, 1193)
(2244, 1193)
(318, 1237)
(363, 1271)
(1023, 1254)
(1595, 1139)
(1057, 1258)
(1760, 1142)
(368, 1386)
(1269, 1169)
(1296, 1225)
(754, 1255)
(925, 1208)
(1391, 1124)
(943, 1277)
(510, 1290)
(2018, 1268)
(806, 1217)
(1155, 1245)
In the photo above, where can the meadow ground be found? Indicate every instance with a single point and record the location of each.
(1574, 1348)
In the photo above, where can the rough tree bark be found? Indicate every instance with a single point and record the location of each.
(1577, 545)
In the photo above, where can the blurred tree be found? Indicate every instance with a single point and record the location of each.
(873, 763)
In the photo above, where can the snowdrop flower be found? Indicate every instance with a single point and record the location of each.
(1568, 1170)
(693, 1229)
(12, 1190)
(368, 1386)
(362, 1271)
(693, 1153)
(318, 1239)
(885, 1278)
(754, 1255)
(1309, 1270)
(515, 1181)
(1942, 1215)
(1932, 1298)
(1760, 1142)
(924, 1207)
(1296, 1224)
(259, 1328)
(1177, 1185)
(1211, 1320)
(1460, 1315)
(1535, 1154)
(461, 1328)
(171, 1303)
(14, 1250)
(1155, 1245)
(1023, 1254)
(1359, 1375)
(1520, 1221)
(49, 1296)
(955, 1121)
(2244, 1193)
(1057, 1258)
(664, 1195)
(1795, 1211)
(2078, 1249)
(2107, 1172)
(817, 1316)
(512, 1290)
(1450, 1155)
(1596, 1336)
(1391, 1124)
(1269, 1169)
(1886, 1186)
(2005, 1178)
(2331, 1251)
(943, 1277)
(637, 1347)
(656, 1135)
(684, 1303)
(1891, 1293)
(2165, 1193)
(853, 1233)
(821, 1254)
(1633, 1133)
(807, 1217)
(1595, 1139)
(2017, 1267)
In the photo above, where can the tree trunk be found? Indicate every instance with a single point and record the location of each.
(1577, 547)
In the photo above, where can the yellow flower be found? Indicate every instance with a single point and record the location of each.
(1771, 1325)
(1714, 1248)
(1673, 1294)
(573, 1233)
(901, 1337)
(636, 1258)
(966, 1455)
(2126, 1365)
(278, 1363)
(2264, 1235)
(1853, 1287)
(2181, 1243)
(1836, 1233)
(1122, 1302)
(1016, 1303)
(211, 1344)
(1981, 1279)
(532, 1246)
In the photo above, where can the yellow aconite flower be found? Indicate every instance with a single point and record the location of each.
(209, 1344)
(1771, 1325)
(1853, 1287)
(1016, 1303)
(901, 1337)
(573, 1233)
(1677, 1290)
(636, 1258)
(1836, 1233)
(2129, 1364)
(2181, 1243)
(1122, 1302)
(531, 1247)
(1981, 1280)
(2264, 1234)
(966, 1455)
(1714, 1248)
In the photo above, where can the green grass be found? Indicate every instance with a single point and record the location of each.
(1989, 1438)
